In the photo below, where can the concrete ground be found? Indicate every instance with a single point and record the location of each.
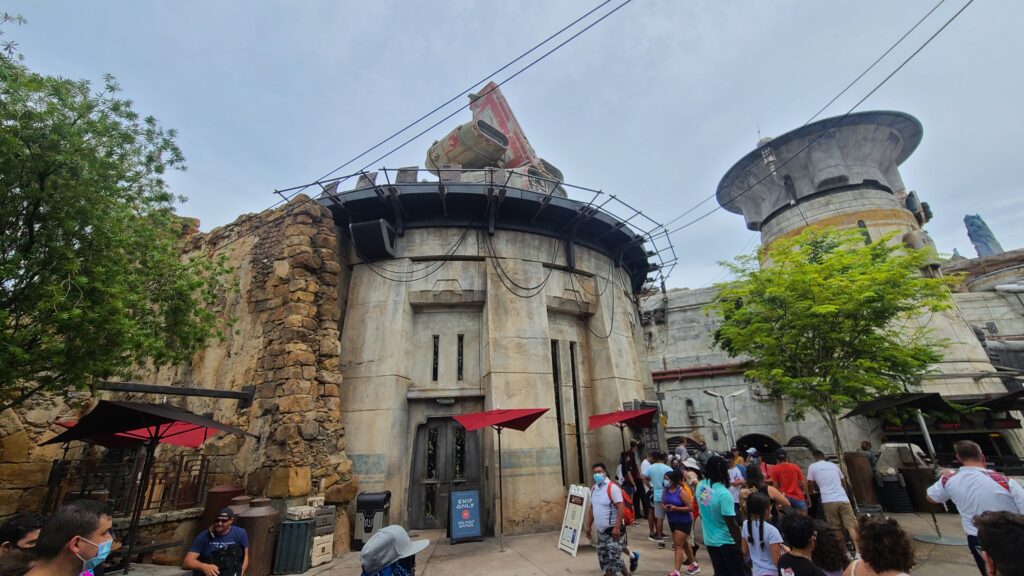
(538, 555)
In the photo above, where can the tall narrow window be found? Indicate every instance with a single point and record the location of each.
(437, 349)
(576, 408)
(864, 231)
(462, 339)
(556, 377)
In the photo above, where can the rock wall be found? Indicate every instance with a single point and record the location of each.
(284, 340)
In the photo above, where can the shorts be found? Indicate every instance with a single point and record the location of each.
(659, 510)
(800, 505)
(609, 553)
(840, 515)
(684, 527)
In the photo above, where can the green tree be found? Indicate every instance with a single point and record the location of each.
(828, 322)
(92, 277)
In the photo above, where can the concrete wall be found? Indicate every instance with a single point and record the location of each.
(684, 341)
(508, 317)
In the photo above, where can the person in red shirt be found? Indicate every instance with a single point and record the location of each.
(790, 479)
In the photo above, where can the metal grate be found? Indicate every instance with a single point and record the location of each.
(175, 484)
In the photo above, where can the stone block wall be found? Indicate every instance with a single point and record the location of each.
(284, 340)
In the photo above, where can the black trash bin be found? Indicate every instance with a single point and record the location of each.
(372, 514)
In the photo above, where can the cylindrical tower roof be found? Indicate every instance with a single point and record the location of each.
(859, 151)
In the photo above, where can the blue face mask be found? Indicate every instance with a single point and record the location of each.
(598, 478)
(102, 551)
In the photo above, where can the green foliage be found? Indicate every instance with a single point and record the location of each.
(829, 322)
(92, 278)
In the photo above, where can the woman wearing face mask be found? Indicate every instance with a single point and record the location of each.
(74, 541)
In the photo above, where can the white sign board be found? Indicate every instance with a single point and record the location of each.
(572, 523)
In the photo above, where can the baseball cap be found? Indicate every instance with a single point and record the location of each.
(751, 451)
(780, 453)
(389, 545)
(226, 513)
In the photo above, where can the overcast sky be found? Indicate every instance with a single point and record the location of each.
(654, 104)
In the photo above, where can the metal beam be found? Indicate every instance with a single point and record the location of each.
(244, 396)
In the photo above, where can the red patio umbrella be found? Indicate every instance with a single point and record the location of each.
(516, 419)
(148, 424)
(623, 418)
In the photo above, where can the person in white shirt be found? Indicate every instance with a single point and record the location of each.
(831, 483)
(607, 508)
(762, 542)
(975, 490)
(736, 481)
(648, 493)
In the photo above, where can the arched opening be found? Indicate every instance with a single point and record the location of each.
(766, 445)
(802, 441)
(674, 441)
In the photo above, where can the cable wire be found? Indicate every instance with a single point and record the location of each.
(835, 123)
(843, 91)
(320, 181)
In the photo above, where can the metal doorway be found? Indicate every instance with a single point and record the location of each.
(445, 458)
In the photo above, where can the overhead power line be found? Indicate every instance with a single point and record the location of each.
(320, 181)
(814, 140)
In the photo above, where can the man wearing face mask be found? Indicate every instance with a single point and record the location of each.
(75, 540)
(607, 508)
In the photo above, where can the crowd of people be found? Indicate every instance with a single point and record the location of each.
(753, 518)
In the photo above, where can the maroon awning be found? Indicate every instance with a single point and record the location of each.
(515, 418)
(641, 418)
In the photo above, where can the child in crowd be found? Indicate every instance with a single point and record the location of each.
(798, 532)
(762, 542)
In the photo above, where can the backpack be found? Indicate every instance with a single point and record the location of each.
(628, 516)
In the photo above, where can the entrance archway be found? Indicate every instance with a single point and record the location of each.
(764, 444)
(674, 441)
(802, 441)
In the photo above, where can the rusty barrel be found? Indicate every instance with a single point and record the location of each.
(240, 504)
(260, 523)
(217, 498)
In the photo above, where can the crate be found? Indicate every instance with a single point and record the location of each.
(300, 513)
(315, 501)
(294, 547)
(324, 520)
(323, 549)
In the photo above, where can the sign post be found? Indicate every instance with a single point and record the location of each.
(464, 517)
(572, 523)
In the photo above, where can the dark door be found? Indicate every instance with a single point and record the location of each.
(446, 458)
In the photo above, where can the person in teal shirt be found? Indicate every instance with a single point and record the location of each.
(718, 515)
(656, 476)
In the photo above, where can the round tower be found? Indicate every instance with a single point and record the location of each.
(847, 177)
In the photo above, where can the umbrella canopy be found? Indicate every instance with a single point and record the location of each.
(517, 418)
(111, 421)
(927, 402)
(642, 418)
(140, 423)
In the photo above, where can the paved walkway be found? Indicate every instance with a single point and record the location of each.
(538, 555)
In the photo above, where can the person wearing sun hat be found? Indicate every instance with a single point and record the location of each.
(390, 552)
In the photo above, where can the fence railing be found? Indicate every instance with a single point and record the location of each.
(175, 484)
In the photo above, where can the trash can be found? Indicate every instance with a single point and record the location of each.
(372, 511)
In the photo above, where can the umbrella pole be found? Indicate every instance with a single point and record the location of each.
(133, 527)
(622, 434)
(501, 500)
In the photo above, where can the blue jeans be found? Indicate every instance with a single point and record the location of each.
(975, 547)
(800, 505)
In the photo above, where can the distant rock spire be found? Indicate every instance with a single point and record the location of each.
(981, 236)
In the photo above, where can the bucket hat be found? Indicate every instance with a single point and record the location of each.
(390, 544)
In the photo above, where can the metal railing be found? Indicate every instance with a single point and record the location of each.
(657, 242)
(175, 484)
